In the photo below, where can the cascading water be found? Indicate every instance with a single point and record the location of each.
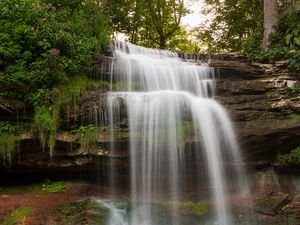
(169, 103)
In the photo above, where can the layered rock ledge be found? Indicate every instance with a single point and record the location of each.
(258, 97)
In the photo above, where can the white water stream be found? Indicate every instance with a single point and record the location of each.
(169, 103)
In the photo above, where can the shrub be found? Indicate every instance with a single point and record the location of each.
(54, 187)
(285, 42)
(87, 136)
(16, 215)
(46, 121)
(292, 158)
(44, 42)
(8, 143)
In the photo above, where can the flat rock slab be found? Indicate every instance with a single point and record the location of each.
(272, 205)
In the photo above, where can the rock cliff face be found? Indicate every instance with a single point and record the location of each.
(259, 97)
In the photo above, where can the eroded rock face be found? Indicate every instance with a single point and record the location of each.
(257, 97)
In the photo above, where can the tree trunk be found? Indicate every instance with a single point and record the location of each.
(162, 42)
(270, 20)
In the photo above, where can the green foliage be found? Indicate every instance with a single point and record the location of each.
(292, 158)
(54, 187)
(37, 98)
(194, 208)
(7, 148)
(62, 97)
(80, 83)
(8, 143)
(43, 42)
(16, 215)
(237, 26)
(285, 41)
(294, 116)
(292, 92)
(47, 186)
(8, 128)
(87, 136)
(152, 23)
(86, 129)
(184, 132)
(43, 118)
(181, 42)
(46, 122)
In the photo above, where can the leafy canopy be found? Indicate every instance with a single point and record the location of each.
(285, 42)
(44, 42)
(236, 25)
(151, 23)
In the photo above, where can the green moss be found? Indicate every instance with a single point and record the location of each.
(54, 187)
(294, 116)
(45, 119)
(123, 86)
(63, 97)
(292, 158)
(8, 143)
(82, 212)
(47, 187)
(292, 92)
(184, 132)
(7, 148)
(87, 136)
(194, 208)
(16, 215)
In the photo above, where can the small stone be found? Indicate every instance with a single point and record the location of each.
(4, 196)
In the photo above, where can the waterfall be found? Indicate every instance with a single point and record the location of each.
(170, 104)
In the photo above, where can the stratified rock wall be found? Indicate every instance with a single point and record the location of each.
(257, 96)
(260, 100)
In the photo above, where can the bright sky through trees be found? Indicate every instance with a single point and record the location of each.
(196, 16)
(192, 20)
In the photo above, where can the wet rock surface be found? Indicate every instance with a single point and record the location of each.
(82, 212)
(259, 99)
(272, 205)
(257, 96)
(275, 197)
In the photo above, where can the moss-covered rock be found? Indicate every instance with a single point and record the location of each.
(272, 205)
(80, 213)
(188, 208)
(17, 215)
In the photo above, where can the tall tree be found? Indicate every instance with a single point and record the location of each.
(235, 24)
(165, 17)
(270, 20)
(127, 16)
(152, 23)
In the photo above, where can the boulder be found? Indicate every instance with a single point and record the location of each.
(272, 205)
